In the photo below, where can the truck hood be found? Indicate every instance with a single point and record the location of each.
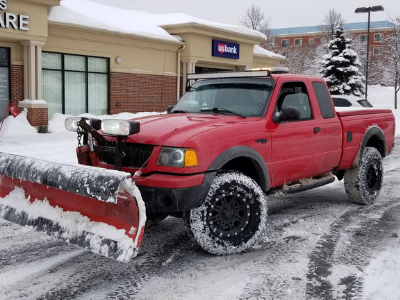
(175, 129)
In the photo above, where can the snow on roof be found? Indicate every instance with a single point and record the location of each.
(99, 16)
(319, 28)
(258, 50)
(180, 18)
(94, 15)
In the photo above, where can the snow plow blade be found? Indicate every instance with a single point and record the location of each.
(97, 209)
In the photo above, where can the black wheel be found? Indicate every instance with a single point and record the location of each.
(232, 217)
(364, 183)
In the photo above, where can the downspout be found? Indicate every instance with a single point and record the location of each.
(178, 81)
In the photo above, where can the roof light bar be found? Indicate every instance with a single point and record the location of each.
(273, 70)
(229, 75)
(279, 70)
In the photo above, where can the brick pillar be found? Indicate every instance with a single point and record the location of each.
(17, 84)
(37, 113)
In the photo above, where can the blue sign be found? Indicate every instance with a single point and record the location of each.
(225, 49)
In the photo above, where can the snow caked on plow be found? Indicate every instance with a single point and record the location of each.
(97, 209)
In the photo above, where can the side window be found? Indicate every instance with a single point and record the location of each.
(293, 98)
(324, 100)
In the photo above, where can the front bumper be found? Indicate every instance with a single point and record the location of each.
(176, 193)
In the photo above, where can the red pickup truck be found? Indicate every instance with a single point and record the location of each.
(233, 138)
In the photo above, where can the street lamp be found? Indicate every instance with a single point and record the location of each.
(368, 10)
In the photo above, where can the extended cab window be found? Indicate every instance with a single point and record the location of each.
(293, 98)
(324, 100)
(245, 96)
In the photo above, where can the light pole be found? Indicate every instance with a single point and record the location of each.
(368, 10)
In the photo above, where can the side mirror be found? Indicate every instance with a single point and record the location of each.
(169, 108)
(287, 113)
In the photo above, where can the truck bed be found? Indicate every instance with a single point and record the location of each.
(355, 122)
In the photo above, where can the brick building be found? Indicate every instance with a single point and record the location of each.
(282, 38)
(76, 56)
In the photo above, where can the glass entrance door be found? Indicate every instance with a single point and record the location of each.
(4, 81)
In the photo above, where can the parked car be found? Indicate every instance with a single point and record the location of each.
(349, 101)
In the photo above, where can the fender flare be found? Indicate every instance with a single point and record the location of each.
(372, 131)
(247, 152)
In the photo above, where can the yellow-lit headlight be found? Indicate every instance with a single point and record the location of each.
(177, 157)
(191, 158)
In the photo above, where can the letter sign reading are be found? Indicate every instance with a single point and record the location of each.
(8, 20)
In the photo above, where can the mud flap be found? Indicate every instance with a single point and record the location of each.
(98, 209)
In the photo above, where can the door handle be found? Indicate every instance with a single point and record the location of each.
(317, 129)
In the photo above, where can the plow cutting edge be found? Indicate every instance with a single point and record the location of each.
(97, 209)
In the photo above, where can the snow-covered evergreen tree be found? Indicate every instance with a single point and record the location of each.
(340, 67)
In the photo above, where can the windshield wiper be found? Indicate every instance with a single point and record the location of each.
(222, 110)
(179, 111)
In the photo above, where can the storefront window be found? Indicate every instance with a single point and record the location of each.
(75, 84)
(4, 81)
(52, 91)
(98, 93)
(75, 93)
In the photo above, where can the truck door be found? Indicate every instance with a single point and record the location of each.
(297, 143)
(332, 128)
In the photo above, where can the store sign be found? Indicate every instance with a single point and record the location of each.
(10, 20)
(225, 49)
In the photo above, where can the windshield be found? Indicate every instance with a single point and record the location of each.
(244, 96)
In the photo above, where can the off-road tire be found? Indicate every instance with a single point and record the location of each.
(232, 217)
(363, 183)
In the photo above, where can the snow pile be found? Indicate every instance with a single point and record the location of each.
(18, 126)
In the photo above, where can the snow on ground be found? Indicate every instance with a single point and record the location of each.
(382, 280)
(18, 137)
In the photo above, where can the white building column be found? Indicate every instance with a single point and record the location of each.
(188, 67)
(39, 94)
(33, 70)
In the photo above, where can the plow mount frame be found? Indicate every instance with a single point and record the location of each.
(88, 128)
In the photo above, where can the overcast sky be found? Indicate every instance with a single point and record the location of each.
(282, 13)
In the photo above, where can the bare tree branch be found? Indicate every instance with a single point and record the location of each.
(332, 20)
(255, 19)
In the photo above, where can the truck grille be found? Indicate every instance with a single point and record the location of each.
(136, 154)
